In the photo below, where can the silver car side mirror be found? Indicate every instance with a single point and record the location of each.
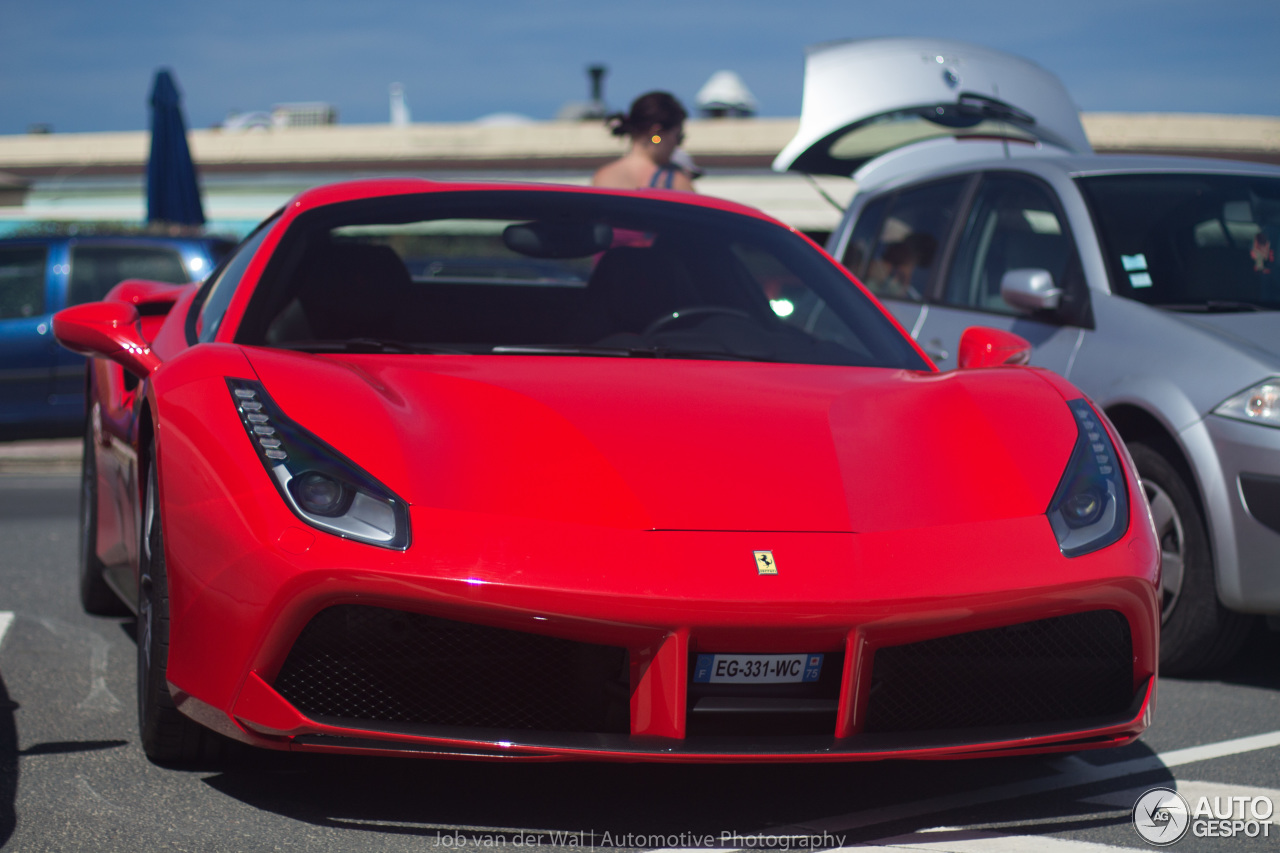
(1030, 290)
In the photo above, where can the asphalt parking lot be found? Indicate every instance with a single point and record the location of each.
(72, 776)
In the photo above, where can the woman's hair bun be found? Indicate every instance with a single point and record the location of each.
(617, 124)
(653, 108)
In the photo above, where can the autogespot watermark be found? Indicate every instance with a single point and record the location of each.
(1162, 817)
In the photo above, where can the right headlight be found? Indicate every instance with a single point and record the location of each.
(1090, 509)
(321, 486)
(1257, 405)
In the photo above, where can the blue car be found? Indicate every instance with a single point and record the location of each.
(42, 384)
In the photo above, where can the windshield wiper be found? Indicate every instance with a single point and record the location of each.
(625, 352)
(616, 352)
(669, 352)
(1215, 306)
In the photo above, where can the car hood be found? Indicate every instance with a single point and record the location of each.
(864, 98)
(686, 445)
(1255, 332)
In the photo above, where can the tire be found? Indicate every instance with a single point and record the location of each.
(1197, 634)
(95, 596)
(168, 736)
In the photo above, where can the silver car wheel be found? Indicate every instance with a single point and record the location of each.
(1172, 546)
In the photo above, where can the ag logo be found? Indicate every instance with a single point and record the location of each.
(764, 563)
(1161, 816)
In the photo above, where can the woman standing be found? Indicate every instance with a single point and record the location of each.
(656, 127)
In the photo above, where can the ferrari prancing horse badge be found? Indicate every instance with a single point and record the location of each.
(764, 563)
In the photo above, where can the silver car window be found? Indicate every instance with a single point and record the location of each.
(1014, 223)
(910, 238)
(1188, 241)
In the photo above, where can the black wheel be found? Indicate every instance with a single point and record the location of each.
(95, 596)
(168, 736)
(1197, 633)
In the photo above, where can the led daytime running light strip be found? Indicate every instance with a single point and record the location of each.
(1098, 441)
(258, 424)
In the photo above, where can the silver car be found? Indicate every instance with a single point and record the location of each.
(1151, 283)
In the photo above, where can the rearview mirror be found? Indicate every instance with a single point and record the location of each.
(981, 346)
(1030, 290)
(106, 330)
(558, 239)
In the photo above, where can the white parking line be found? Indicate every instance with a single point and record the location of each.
(949, 840)
(1191, 791)
(100, 697)
(1076, 772)
(6, 619)
(1223, 748)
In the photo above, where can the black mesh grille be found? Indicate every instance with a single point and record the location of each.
(377, 665)
(1061, 669)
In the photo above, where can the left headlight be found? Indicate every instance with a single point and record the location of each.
(1090, 509)
(1257, 405)
(320, 485)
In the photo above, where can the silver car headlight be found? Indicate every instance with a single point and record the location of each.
(1257, 405)
(321, 486)
(1090, 509)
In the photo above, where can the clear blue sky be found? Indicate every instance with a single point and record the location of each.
(80, 65)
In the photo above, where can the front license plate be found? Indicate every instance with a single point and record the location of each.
(757, 669)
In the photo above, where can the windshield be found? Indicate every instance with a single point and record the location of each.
(1190, 242)
(561, 273)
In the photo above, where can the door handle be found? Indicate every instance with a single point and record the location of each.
(935, 350)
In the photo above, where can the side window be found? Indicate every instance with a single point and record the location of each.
(909, 240)
(22, 282)
(97, 269)
(223, 286)
(1014, 224)
(863, 240)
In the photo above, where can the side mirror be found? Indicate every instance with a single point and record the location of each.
(1030, 290)
(106, 330)
(981, 346)
(148, 295)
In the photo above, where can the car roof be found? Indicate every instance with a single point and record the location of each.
(356, 190)
(949, 156)
(1130, 163)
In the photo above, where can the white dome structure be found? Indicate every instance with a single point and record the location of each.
(724, 94)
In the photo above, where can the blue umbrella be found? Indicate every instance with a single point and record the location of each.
(173, 196)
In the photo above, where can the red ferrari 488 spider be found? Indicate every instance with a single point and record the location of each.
(535, 472)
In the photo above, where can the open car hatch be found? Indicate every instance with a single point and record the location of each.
(864, 98)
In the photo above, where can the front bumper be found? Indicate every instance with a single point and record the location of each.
(1249, 460)
(658, 598)
(954, 695)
